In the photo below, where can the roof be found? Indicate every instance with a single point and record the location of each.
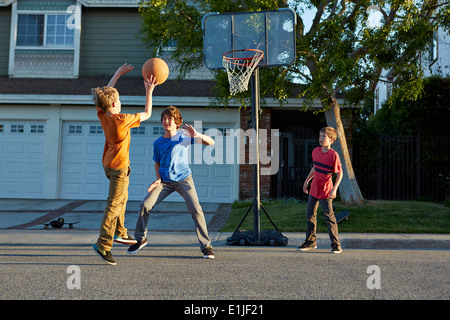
(94, 3)
(195, 93)
(130, 86)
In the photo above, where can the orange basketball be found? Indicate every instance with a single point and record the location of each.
(156, 67)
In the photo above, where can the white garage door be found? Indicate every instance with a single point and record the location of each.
(82, 175)
(22, 157)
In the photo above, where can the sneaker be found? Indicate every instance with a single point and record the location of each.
(105, 255)
(137, 246)
(307, 245)
(208, 253)
(335, 248)
(124, 240)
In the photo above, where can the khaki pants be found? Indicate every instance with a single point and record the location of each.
(113, 222)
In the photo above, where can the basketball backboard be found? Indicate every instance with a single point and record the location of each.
(272, 32)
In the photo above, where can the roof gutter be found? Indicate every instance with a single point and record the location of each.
(36, 99)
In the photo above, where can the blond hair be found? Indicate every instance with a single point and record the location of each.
(104, 97)
(330, 132)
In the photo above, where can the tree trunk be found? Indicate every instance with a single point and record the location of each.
(348, 189)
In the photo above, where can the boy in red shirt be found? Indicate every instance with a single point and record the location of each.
(116, 160)
(326, 162)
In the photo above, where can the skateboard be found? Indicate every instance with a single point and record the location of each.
(341, 216)
(59, 223)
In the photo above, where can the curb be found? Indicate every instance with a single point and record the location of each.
(348, 241)
(370, 240)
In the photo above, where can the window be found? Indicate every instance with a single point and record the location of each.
(2, 128)
(157, 131)
(44, 30)
(30, 30)
(75, 129)
(223, 131)
(57, 31)
(46, 41)
(17, 128)
(433, 49)
(389, 86)
(138, 131)
(37, 128)
(95, 130)
(377, 99)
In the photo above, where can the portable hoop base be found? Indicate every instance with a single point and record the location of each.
(263, 238)
(267, 238)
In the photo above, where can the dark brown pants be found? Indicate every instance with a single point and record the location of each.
(311, 218)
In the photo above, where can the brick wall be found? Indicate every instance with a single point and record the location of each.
(245, 170)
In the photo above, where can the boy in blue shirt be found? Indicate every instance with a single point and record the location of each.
(170, 153)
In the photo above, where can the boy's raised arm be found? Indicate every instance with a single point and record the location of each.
(121, 71)
(150, 84)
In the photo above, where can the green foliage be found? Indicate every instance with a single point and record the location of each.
(340, 53)
(161, 28)
(169, 21)
(429, 115)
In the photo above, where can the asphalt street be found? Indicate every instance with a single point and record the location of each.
(59, 264)
(178, 272)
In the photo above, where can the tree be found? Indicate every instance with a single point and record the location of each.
(340, 54)
(429, 115)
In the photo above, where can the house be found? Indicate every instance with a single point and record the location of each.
(436, 61)
(53, 52)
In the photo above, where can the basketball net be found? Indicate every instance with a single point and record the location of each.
(239, 70)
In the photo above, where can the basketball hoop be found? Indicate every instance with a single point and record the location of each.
(239, 70)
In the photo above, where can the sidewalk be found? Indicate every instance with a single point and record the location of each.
(21, 222)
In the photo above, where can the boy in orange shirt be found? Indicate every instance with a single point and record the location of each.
(116, 162)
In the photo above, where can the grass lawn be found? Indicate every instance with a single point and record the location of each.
(289, 215)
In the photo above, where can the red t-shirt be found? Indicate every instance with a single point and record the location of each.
(325, 164)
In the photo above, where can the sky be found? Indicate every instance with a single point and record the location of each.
(374, 19)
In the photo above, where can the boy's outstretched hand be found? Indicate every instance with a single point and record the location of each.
(120, 72)
(190, 131)
(200, 138)
(150, 83)
(124, 69)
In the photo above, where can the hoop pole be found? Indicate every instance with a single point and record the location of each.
(256, 180)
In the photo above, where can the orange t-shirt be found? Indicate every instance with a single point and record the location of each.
(116, 128)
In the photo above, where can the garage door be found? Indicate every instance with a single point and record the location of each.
(82, 175)
(22, 157)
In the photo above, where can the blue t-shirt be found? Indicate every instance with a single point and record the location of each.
(173, 157)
